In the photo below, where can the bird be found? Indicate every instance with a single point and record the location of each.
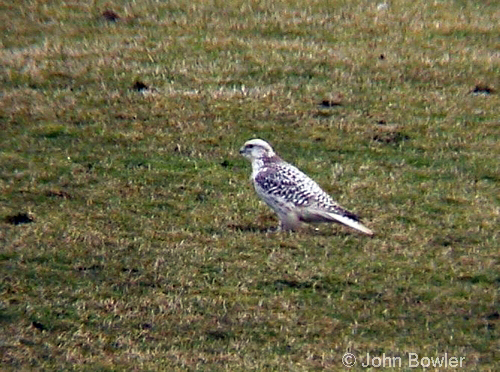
(291, 194)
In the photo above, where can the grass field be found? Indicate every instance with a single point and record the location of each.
(131, 237)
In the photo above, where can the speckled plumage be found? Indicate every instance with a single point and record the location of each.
(292, 194)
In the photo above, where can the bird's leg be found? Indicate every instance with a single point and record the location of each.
(289, 222)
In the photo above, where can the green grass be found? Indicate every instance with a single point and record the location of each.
(149, 250)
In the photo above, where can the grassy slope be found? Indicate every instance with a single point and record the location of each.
(148, 247)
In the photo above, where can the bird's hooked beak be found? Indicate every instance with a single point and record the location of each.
(242, 150)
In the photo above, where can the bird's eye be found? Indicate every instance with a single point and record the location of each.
(250, 146)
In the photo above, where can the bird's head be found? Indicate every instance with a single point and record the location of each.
(257, 149)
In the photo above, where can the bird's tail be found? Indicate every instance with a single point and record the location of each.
(346, 218)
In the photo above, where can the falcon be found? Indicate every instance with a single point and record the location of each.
(290, 193)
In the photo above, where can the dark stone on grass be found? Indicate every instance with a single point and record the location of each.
(113, 346)
(330, 103)
(493, 316)
(391, 137)
(19, 219)
(371, 296)
(58, 194)
(128, 270)
(139, 86)
(38, 326)
(381, 122)
(88, 268)
(225, 164)
(482, 89)
(381, 57)
(218, 335)
(110, 15)
(26, 342)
